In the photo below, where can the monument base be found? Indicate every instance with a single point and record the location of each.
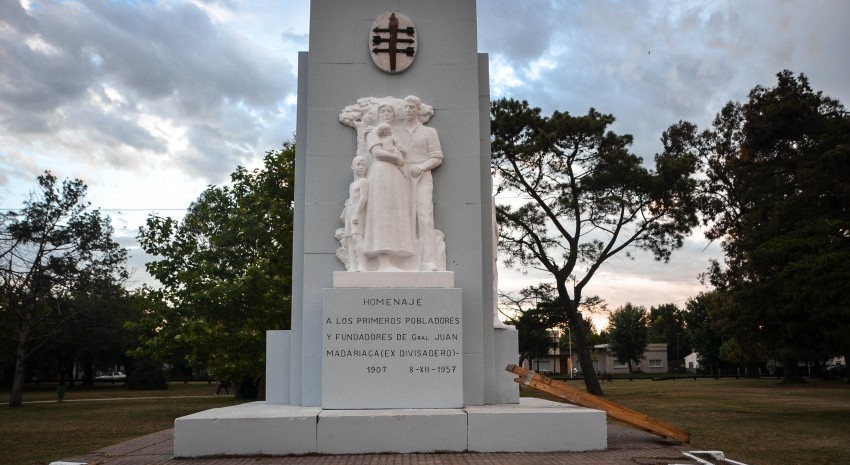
(257, 428)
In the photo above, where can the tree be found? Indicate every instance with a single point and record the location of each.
(96, 339)
(777, 193)
(536, 337)
(585, 199)
(667, 325)
(590, 335)
(536, 313)
(225, 271)
(702, 334)
(534, 320)
(53, 248)
(155, 341)
(628, 334)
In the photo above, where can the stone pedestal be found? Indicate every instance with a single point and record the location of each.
(258, 428)
(393, 430)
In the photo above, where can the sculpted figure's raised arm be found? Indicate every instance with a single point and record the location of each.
(394, 230)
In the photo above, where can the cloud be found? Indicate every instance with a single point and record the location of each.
(149, 101)
(85, 78)
(519, 31)
(15, 165)
(642, 280)
(654, 63)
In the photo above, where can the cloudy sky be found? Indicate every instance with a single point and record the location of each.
(149, 101)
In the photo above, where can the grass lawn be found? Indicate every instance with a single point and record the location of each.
(755, 421)
(41, 432)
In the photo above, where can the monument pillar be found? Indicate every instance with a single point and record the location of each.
(394, 346)
(447, 74)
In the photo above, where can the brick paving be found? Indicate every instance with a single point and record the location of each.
(626, 446)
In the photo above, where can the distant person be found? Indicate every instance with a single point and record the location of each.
(222, 384)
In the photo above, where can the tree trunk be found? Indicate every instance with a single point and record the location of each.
(591, 382)
(846, 366)
(69, 370)
(64, 377)
(261, 389)
(570, 307)
(17, 393)
(88, 371)
(790, 371)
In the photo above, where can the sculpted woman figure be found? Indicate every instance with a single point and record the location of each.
(388, 236)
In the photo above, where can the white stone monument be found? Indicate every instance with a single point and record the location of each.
(394, 345)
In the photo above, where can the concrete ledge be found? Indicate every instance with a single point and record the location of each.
(533, 425)
(505, 348)
(392, 279)
(255, 428)
(278, 359)
(393, 430)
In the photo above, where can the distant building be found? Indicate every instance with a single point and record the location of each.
(558, 360)
(654, 360)
(692, 362)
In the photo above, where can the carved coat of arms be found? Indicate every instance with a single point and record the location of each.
(393, 42)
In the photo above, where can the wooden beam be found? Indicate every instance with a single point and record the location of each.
(585, 399)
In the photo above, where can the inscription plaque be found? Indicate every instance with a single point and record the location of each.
(392, 348)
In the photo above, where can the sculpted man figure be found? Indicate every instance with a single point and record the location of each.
(423, 155)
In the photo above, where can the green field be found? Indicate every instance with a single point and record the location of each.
(756, 421)
(44, 430)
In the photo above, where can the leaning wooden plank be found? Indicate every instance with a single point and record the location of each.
(585, 399)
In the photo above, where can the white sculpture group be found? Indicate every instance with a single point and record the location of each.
(389, 213)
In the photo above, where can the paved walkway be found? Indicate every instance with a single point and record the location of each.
(626, 446)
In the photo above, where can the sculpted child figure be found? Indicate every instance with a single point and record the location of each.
(354, 214)
(342, 250)
(387, 147)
